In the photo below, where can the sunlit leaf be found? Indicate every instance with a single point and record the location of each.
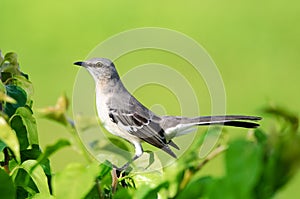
(74, 181)
(7, 187)
(6, 98)
(9, 137)
(11, 64)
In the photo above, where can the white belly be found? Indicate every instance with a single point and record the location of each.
(110, 126)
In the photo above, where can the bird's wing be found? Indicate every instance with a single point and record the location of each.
(139, 121)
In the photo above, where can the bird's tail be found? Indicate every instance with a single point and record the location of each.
(176, 126)
(228, 120)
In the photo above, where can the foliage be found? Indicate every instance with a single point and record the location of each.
(255, 167)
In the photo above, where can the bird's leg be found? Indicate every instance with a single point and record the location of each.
(125, 166)
(138, 153)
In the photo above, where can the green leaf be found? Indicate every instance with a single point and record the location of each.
(6, 98)
(7, 188)
(147, 192)
(124, 193)
(2, 145)
(24, 184)
(24, 83)
(243, 166)
(222, 189)
(50, 150)
(74, 181)
(260, 136)
(12, 66)
(196, 188)
(19, 95)
(8, 136)
(105, 168)
(3, 96)
(25, 126)
(33, 154)
(41, 196)
(37, 175)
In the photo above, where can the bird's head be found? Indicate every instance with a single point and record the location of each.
(101, 69)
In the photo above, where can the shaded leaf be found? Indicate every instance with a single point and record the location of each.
(25, 126)
(37, 175)
(33, 154)
(24, 184)
(20, 97)
(7, 187)
(2, 145)
(50, 150)
(24, 83)
(8, 136)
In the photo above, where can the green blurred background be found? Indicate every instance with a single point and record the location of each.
(255, 44)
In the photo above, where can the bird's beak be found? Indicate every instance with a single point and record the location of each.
(80, 63)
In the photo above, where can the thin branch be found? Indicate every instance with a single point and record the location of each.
(217, 151)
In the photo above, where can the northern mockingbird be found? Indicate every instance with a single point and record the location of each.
(124, 116)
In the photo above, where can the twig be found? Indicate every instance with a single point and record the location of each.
(98, 186)
(114, 182)
(217, 151)
(188, 174)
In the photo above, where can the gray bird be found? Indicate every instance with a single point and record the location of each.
(124, 116)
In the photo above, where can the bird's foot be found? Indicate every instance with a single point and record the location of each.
(124, 170)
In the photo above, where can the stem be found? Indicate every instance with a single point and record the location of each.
(6, 160)
(217, 151)
(98, 186)
(190, 173)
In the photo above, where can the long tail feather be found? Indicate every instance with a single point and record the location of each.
(177, 126)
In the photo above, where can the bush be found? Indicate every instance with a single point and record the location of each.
(256, 167)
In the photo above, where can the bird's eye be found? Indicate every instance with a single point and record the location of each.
(99, 64)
